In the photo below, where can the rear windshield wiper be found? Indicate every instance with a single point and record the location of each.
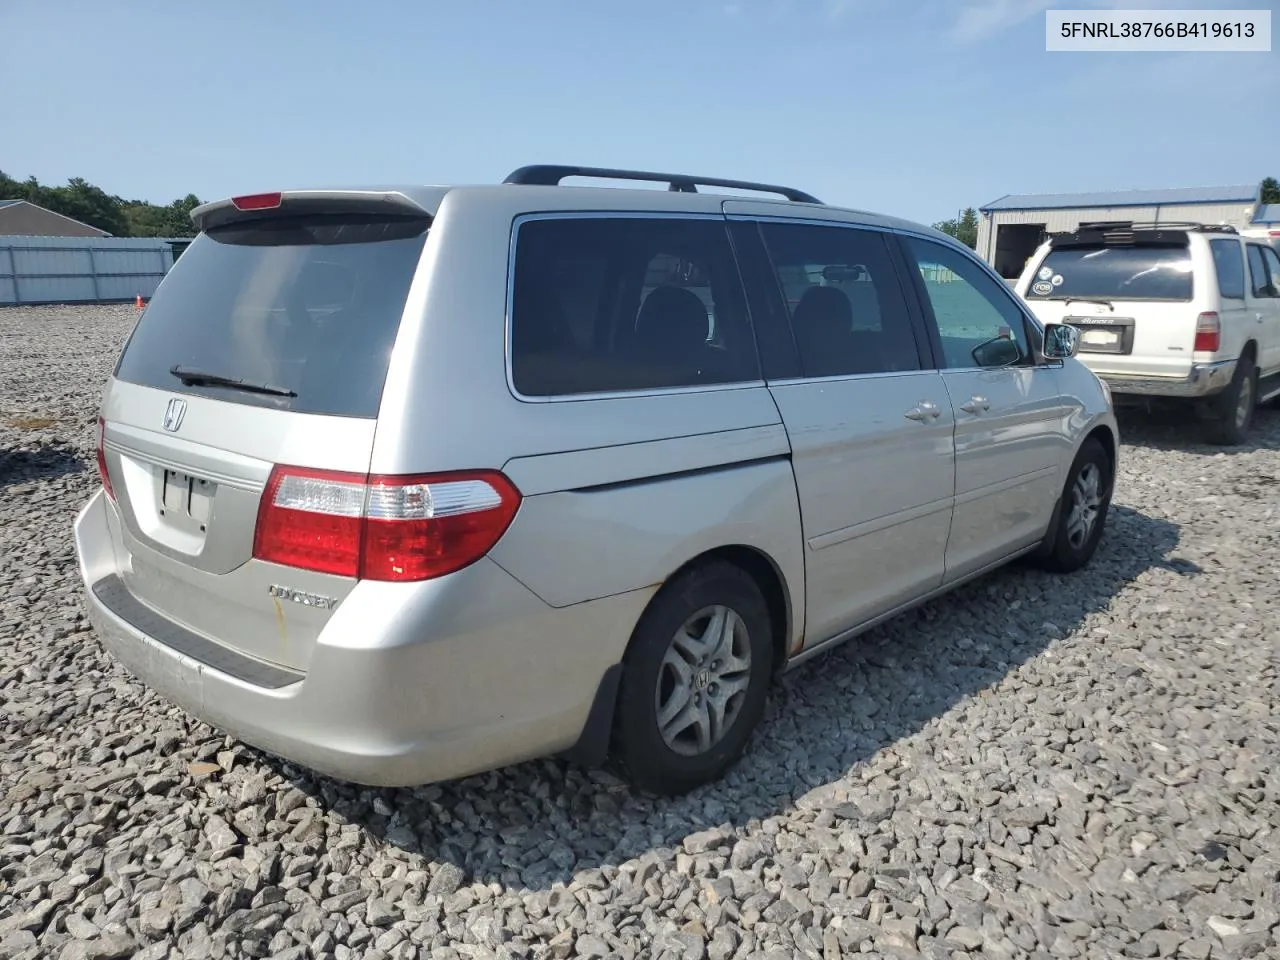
(1105, 303)
(200, 378)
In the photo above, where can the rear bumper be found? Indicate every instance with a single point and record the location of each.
(1204, 380)
(408, 683)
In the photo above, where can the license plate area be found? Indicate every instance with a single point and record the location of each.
(1112, 335)
(186, 500)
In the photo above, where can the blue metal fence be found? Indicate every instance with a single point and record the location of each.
(81, 269)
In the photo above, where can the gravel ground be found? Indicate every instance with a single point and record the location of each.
(1081, 767)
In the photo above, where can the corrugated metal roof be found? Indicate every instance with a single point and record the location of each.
(1267, 213)
(1125, 198)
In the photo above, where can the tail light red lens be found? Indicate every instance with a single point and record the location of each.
(257, 201)
(102, 458)
(1208, 333)
(381, 527)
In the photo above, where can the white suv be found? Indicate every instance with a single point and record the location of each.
(1188, 312)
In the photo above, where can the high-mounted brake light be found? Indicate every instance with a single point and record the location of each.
(102, 458)
(257, 201)
(379, 527)
(1208, 333)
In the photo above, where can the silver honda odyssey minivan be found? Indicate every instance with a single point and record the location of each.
(405, 484)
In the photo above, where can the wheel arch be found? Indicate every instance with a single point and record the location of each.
(1250, 350)
(1110, 445)
(768, 576)
(595, 743)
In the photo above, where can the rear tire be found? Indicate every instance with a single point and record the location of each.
(1233, 408)
(1073, 539)
(694, 681)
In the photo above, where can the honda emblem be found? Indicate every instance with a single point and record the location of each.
(173, 414)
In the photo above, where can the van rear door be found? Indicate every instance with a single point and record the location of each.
(267, 343)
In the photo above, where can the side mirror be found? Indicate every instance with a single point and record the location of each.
(1061, 341)
(1000, 352)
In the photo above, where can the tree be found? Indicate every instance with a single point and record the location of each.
(10, 189)
(81, 200)
(964, 227)
(90, 204)
(1270, 191)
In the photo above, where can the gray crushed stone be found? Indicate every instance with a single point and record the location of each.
(1031, 767)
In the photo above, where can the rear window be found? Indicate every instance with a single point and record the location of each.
(609, 304)
(1114, 273)
(308, 306)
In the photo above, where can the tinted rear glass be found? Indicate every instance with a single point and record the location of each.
(609, 304)
(848, 314)
(1228, 265)
(310, 305)
(1114, 273)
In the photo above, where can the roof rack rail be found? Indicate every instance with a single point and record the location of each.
(550, 175)
(1156, 225)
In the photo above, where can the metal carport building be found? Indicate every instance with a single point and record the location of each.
(1010, 229)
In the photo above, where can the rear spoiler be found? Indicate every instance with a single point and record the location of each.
(260, 206)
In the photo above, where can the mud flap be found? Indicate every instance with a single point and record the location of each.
(1047, 544)
(592, 746)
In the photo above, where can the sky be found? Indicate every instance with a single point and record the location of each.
(914, 108)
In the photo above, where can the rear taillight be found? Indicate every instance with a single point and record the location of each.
(382, 528)
(102, 458)
(1208, 333)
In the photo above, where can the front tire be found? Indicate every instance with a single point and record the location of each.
(1086, 498)
(694, 680)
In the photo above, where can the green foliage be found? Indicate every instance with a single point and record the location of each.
(89, 204)
(964, 227)
(1270, 191)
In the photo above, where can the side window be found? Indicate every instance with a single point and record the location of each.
(610, 304)
(844, 299)
(1260, 278)
(1230, 269)
(1273, 267)
(978, 320)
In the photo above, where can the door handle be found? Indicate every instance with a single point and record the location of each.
(924, 410)
(976, 405)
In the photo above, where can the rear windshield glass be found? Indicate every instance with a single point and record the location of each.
(1114, 273)
(304, 306)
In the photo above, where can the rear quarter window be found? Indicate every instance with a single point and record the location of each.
(624, 304)
(306, 305)
(1228, 264)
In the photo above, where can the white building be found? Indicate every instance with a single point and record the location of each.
(1010, 229)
